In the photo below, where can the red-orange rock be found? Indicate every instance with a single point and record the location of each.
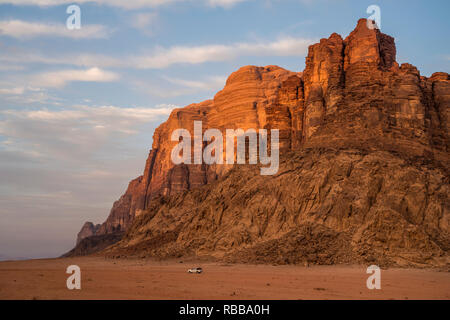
(351, 96)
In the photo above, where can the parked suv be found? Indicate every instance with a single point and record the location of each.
(195, 270)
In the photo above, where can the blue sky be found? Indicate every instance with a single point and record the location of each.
(78, 107)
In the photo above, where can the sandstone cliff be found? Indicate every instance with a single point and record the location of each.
(364, 174)
(88, 230)
(254, 97)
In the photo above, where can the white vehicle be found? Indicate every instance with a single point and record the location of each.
(195, 270)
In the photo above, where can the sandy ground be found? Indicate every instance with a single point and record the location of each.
(139, 279)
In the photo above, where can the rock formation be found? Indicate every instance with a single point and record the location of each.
(254, 97)
(88, 230)
(364, 176)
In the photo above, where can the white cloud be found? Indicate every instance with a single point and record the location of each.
(25, 30)
(211, 83)
(62, 167)
(12, 91)
(95, 115)
(62, 77)
(144, 20)
(80, 60)
(77, 136)
(224, 3)
(22, 94)
(76, 132)
(126, 4)
(129, 4)
(174, 87)
(11, 68)
(28, 95)
(165, 57)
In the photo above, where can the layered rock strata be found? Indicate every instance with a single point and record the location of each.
(354, 105)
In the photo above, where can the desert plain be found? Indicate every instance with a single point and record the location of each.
(168, 280)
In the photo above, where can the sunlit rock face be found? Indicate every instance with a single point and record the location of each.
(253, 98)
(352, 96)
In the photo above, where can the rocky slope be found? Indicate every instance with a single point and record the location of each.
(88, 230)
(324, 206)
(364, 174)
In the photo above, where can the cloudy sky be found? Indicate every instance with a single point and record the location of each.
(78, 107)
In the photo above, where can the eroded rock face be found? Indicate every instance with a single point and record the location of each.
(88, 230)
(121, 217)
(253, 98)
(324, 206)
(324, 81)
(352, 95)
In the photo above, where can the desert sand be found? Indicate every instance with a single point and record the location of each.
(145, 279)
